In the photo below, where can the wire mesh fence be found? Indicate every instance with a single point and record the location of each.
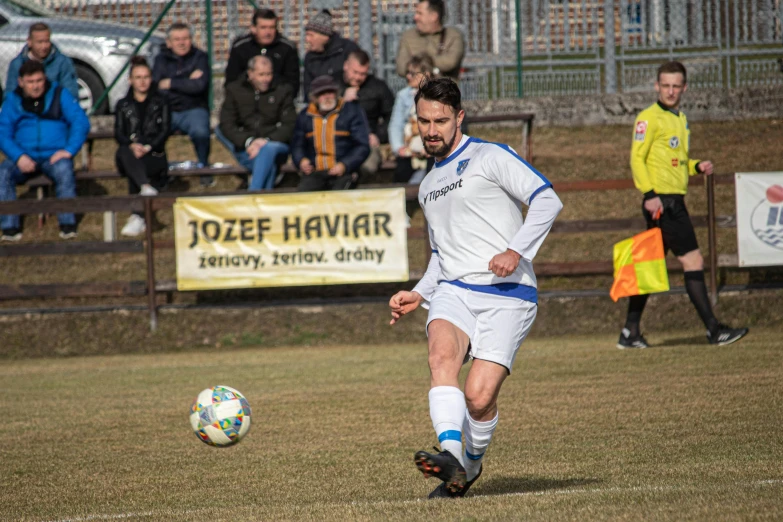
(513, 47)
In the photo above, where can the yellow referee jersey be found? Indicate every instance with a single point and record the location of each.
(659, 154)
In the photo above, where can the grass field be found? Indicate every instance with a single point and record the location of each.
(681, 432)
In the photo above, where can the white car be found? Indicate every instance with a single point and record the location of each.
(99, 50)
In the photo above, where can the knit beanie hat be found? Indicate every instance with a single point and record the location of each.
(321, 23)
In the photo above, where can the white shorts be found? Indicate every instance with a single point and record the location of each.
(496, 325)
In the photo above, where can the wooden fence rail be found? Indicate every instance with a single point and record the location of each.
(149, 246)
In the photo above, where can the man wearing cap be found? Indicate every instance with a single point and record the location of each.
(331, 139)
(326, 50)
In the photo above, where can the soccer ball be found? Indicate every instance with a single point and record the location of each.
(220, 416)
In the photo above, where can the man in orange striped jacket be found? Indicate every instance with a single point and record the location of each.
(331, 139)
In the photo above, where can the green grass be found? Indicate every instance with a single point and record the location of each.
(681, 432)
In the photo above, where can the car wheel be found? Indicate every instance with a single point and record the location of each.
(90, 89)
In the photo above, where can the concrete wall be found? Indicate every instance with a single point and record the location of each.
(567, 111)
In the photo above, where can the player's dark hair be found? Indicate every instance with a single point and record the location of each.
(443, 90)
(673, 68)
(138, 61)
(38, 27)
(360, 56)
(31, 67)
(438, 7)
(263, 14)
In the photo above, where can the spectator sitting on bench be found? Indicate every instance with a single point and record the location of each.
(257, 119)
(182, 75)
(375, 98)
(58, 68)
(326, 50)
(404, 137)
(331, 139)
(42, 127)
(141, 126)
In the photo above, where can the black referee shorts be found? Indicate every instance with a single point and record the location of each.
(675, 223)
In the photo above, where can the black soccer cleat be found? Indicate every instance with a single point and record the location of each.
(443, 465)
(628, 341)
(442, 492)
(724, 335)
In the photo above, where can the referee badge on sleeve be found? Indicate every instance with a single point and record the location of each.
(641, 130)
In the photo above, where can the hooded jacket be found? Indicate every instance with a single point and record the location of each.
(248, 113)
(57, 67)
(61, 125)
(185, 93)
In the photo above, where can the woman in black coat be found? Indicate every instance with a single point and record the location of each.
(141, 128)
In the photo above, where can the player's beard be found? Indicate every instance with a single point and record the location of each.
(439, 151)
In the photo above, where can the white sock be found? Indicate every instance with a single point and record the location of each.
(447, 411)
(477, 438)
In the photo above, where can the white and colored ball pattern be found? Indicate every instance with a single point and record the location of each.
(220, 416)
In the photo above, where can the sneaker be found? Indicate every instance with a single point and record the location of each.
(442, 492)
(626, 341)
(443, 465)
(726, 335)
(67, 231)
(134, 227)
(11, 234)
(148, 190)
(208, 181)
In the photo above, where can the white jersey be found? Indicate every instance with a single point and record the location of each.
(472, 203)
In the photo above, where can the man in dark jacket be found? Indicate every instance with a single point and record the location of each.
(257, 118)
(326, 50)
(331, 139)
(265, 40)
(57, 67)
(41, 128)
(182, 74)
(375, 98)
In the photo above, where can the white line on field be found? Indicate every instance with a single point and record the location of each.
(634, 489)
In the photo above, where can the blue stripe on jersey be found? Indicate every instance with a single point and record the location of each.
(434, 251)
(455, 154)
(539, 189)
(450, 435)
(517, 156)
(515, 290)
(472, 456)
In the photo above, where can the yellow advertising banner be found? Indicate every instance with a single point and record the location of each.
(294, 239)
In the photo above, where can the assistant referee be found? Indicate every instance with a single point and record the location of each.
(661, 167)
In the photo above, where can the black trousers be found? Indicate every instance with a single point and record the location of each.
(150, 169)
(321, 180)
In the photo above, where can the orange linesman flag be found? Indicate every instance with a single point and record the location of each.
(640, 265)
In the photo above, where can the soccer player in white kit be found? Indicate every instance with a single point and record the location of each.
(479, 285)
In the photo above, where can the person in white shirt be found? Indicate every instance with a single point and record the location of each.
(479, 286)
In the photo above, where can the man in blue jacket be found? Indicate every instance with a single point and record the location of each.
(182, 74)
(331, 139)
(58, 67)
(41, 128)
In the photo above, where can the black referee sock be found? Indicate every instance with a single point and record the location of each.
(635, 308)
(697, 291)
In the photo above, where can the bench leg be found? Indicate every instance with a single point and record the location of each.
(39, 195)
(109, 226)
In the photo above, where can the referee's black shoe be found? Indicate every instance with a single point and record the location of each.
(442, 492)
(629, 341)
(724, 335)
(443, 465)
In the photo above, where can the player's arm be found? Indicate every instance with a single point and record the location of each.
(644, 132)
(524, 183)
(403, 303)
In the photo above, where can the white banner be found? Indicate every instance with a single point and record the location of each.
(759, 218)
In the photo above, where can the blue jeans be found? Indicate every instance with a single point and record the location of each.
(264, 166)
(64, 185)
(194, 123)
